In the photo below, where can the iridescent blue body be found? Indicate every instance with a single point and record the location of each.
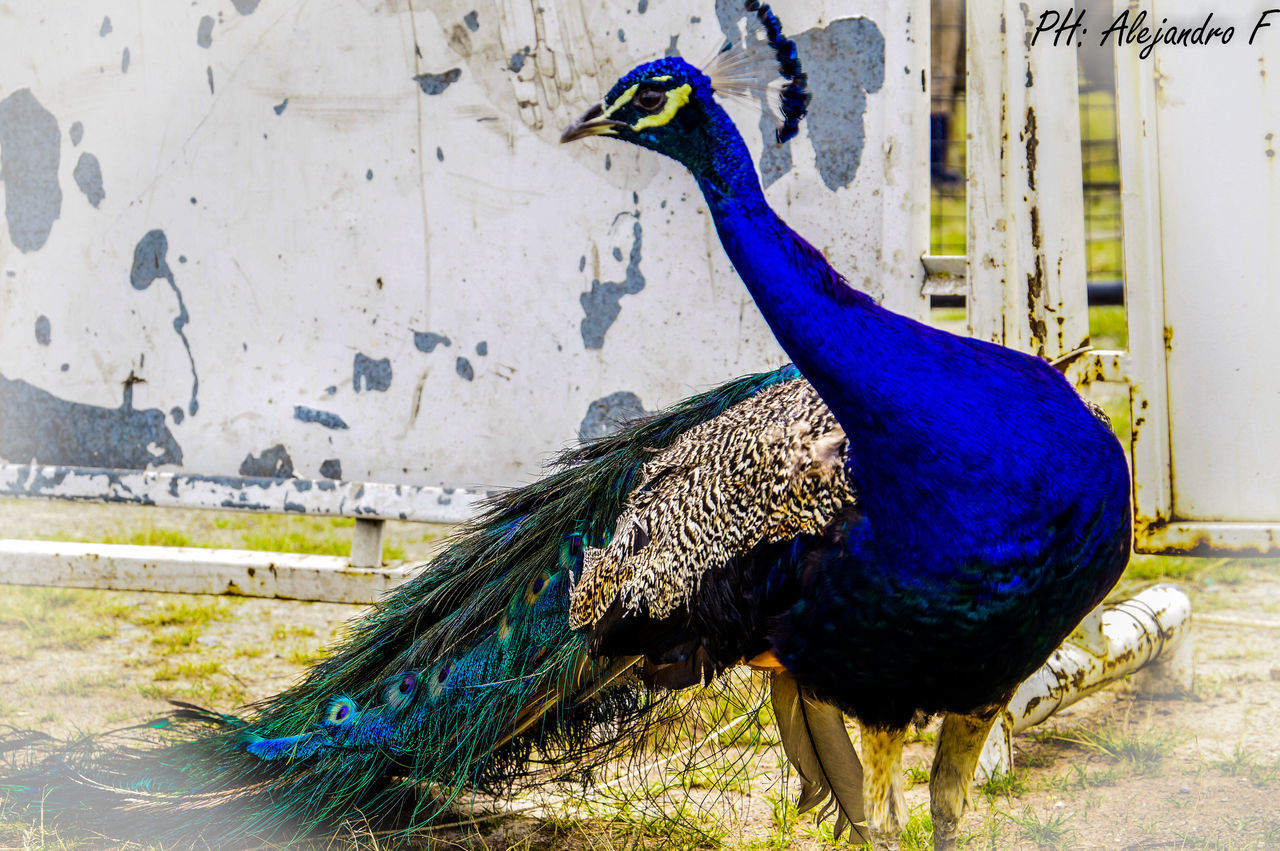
(993, 507)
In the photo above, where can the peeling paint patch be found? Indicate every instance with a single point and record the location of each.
(327, 419)
(273, 463)
(608, 414)
(37, 426)
(245, 7)
(368, 175)
(280, 107)
(482, 348)
(845, 63)
(43, 330)
(105, 29)
(77, 133)
(331, 468)
(472, 20)
(439, 154)
(124, 61)
(88, 176)
(177, 415)
(204, 32)
(208, 72)
(149, 263)
(673, 46)
(464, 369)
(602, 303)
(426, 341)
(30, 146)
(373, 374)
(516, 62)
(434, 84)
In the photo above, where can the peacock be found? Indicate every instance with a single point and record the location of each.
(903, 521)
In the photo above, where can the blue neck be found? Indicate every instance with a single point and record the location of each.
(932, 419)
(827, 328)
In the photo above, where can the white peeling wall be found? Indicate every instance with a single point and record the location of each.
(339, 240)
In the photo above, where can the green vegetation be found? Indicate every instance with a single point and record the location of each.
(1142, 750)
(1241, 763)
(1048, 831)
(1010, 784)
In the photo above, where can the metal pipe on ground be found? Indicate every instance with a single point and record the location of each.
(1150, 632)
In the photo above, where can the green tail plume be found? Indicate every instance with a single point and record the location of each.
(466, 678)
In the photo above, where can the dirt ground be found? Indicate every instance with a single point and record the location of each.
(1114, 771)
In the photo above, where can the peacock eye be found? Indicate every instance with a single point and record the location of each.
(407, 683)
(650, 100)
(340, 711)
(575, 545)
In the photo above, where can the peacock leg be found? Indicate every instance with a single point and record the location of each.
(884, 804)
(959, 746)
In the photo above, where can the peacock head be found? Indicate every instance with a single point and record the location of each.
(669, 105)
(665, 105)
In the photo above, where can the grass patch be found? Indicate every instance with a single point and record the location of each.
(1241, 763)
(176, 641)
(81, 685)
(1049, 831)
(304, 656)
(149, 536)
(916, 775)
(184, 611)
(59, 618)
(917, 833)
(1203, 573)
(1009, 784)
(1080, 777)
(1141, 751)
(674, 824)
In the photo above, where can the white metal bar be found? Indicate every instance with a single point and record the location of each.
(1025, 194)
(192, 570)
(1144, 285)
(282, 496)
(904, 146)
(1193, 537)
(986, 232)
(945, 274)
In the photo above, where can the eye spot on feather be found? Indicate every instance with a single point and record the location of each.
(536, 586)
(400, 690)
(440, 679)
(504, 628)
(340, 711)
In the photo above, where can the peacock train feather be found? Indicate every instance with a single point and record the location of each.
(468, 678)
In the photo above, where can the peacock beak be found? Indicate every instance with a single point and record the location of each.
(592, 123)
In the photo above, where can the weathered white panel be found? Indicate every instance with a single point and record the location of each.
(1220, 210)
(1025, 201)
(339, 240)
(1204, 296)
